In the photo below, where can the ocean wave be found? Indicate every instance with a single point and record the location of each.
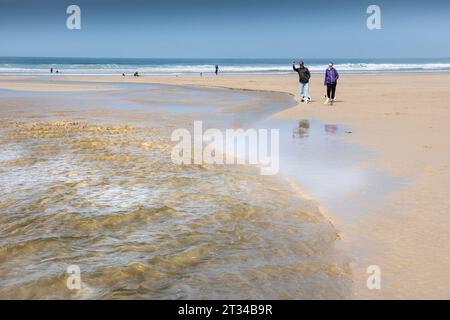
(174, 69)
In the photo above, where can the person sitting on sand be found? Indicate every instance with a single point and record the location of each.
(331, 78)
(136, 74)
(304, 76)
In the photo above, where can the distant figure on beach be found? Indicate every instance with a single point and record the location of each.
(304, 75)
(51, 70)
(217, 70)
(123, 74)
(57, 71)
(136, 74)
(331, 78)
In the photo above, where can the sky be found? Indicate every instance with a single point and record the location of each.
(225, 29)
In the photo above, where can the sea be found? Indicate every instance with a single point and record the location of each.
(153, 66)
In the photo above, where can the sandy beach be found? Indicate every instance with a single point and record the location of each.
(403, 120)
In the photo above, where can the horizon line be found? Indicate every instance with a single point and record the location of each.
(224, 58)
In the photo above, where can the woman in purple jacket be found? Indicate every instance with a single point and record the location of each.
(331, 77)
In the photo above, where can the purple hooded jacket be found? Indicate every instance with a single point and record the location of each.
(331, 76)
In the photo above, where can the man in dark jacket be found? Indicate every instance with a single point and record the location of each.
(304, 75)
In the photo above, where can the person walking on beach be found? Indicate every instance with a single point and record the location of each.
(331, 78)
(217, 70)
(304, 75)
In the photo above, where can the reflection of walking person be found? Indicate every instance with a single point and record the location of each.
(217, 70)
(331, 77)
(304, 75)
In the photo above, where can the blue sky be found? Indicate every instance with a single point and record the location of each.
(225, 29)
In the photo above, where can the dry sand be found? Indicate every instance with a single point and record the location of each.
(405, 120)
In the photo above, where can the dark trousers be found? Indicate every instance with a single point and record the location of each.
(331, 90)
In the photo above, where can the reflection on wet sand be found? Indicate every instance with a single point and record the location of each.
(302, 130)
(326, 168)
(331, 129)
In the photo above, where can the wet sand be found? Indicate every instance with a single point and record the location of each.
(42, 87)
(403, 120)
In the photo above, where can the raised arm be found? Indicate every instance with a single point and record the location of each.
(293, 67)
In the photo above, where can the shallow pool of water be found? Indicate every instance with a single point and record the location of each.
(86, 179)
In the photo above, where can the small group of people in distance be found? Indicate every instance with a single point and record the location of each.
(216, 71)
(136, 74)
(330, 81)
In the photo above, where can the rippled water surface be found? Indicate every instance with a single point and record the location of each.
(86, 179)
